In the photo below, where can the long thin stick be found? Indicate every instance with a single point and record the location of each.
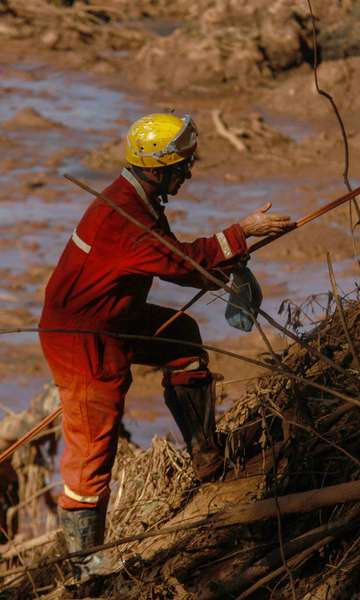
(252, 361)
(307, 218)
(179, 313)
(326, 95)
(293, 562)
(341, 312)
(27, 437)
(270, 238)
(32, 433)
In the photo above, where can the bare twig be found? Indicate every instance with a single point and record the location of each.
(326, 95)
(17, 553)
(278, 511)
(341, 312)
(126, 336)
(8, 411)
(302, 343)
(30, 434)
(313, 431)
(261, 568)
(293, 562)
(12, 549)
(296, 339)
(14, 509)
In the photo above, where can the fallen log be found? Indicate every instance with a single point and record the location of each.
(230, 494)
(231, 576)
(292, 503)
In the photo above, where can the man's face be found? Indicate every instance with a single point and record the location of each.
(180, 172)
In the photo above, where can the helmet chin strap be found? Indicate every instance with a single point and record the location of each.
(164, 184)
(161, 187)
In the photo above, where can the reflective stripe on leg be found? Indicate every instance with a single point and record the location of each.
(86, 499)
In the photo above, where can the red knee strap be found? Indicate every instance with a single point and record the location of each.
(187, 362)
(198, 377)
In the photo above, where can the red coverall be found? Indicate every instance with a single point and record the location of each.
(101, 283)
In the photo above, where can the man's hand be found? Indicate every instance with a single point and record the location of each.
(259, 223)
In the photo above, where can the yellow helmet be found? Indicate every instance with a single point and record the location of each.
(159, 140)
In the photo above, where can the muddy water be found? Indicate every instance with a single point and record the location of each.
(35, 225)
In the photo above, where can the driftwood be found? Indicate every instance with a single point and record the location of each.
(226, 133)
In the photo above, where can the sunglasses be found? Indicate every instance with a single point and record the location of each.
(183, 167)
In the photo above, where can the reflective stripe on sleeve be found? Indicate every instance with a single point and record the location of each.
(87, 499)
(224, 245)
(80, 243)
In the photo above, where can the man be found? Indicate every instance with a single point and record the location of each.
(101, 283)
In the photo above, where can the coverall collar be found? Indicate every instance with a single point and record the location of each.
(130, 178)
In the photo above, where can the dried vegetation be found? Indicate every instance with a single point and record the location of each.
(285, 439)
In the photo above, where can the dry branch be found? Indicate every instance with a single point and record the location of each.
(293, 562)
(226, 133)
(341, 312)
(328, 96)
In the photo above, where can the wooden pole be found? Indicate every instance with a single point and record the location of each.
(271, 238)
(307, 218)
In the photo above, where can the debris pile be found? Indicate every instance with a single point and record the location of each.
(236, 44)
(69, 26)
(284, 520)
(25, 477)
(232, 43)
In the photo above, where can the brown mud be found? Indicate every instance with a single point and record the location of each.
(73, 78)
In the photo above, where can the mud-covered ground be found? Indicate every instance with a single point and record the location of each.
(73, 76)
(72, 80)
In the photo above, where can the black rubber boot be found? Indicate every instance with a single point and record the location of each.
(193, 408)
(83, 529)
